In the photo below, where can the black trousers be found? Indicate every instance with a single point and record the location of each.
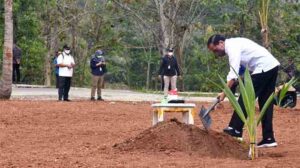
(264, 85)
(64, 87)
(16, 73)
(56, 80)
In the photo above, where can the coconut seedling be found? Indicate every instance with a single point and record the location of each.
(283, 90)
(250, 120)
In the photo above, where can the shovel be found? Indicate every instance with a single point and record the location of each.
(204, 114)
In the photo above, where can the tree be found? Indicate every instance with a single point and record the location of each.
(170, 22)
(6, 80)
(263, 18)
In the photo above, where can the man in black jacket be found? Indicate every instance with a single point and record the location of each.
(98, 69)
(169, 70)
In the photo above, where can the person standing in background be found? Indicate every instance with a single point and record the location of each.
(98, 69)
(66, 63)
(17, 53)
(290, 70)
(169, 70)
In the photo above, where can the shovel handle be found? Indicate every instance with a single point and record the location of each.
(215, 102)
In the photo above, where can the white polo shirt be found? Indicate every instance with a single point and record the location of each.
(68, 60)
(242, 51)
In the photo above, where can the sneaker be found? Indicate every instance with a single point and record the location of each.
(234, 133)
(100, 98)
(267, 143)
(67, 100)
(93, 98)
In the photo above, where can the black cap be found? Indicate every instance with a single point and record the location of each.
(66, 47)
(170, 49)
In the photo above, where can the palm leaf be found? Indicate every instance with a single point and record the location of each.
(233, 101)
(285, 89)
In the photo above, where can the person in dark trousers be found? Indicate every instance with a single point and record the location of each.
(56, 68)
(290, 70)
(98, 69)
(169, 71)
(264, 70)
(66, 63)
(17, 54)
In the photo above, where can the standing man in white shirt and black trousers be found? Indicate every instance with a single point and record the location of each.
(66, 63)
(263, 67)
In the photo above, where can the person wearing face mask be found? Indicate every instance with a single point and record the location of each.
(98, 69)
(169, 71)
(263, 67)
(66, 63)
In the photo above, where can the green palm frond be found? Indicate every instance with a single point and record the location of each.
(285, 89)
(263, 110)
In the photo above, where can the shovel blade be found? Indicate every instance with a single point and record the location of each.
(205, 118)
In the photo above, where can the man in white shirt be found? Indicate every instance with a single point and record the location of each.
(66, 63)
(263, 67)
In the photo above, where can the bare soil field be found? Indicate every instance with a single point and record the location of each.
(120, 134)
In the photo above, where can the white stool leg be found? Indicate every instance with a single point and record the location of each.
(155, 117)
(160, 115)
(185, 118)
(190, 117)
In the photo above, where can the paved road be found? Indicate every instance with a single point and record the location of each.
(29, 92)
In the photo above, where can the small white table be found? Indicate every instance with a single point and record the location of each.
(187, 110)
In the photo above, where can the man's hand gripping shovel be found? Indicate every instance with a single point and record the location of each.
(204, 114)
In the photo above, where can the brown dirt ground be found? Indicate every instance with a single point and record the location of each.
(119, 134)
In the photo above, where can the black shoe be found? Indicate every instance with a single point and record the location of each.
(68, 100)
(93, 98)
(234, 133)
(100, 98)
(267, 143)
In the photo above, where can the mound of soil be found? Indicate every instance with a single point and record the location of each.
(174, 136)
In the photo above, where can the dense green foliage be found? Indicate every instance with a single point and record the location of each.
(127, 30)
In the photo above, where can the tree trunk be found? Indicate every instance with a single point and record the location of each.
(48, 68)
(265, 38)
(6, 80)
(165, 39)
(263, 17)
(47, 61)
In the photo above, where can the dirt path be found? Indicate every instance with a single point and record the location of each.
(29, 92)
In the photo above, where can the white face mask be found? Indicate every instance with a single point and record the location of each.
(67, 52)
(170, 53)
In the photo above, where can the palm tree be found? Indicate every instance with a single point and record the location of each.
(6, 79)
(263, 17)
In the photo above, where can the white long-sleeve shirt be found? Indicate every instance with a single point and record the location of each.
(242, 51)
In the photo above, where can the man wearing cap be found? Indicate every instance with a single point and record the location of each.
(98, 69)
(66, 63)
(263, 67)
(169, 70)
